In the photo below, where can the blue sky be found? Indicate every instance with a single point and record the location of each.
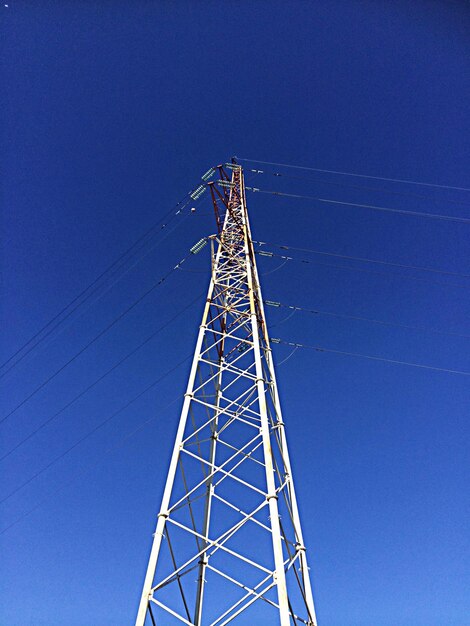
(111, 113)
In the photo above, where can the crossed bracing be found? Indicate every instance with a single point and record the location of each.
(218, 518)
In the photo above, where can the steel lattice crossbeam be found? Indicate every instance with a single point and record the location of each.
(228, 544)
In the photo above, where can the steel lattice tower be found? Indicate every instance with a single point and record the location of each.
(228, 545)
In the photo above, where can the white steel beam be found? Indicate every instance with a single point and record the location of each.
(232, 392)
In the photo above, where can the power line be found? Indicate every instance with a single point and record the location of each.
(392, 180)
(97, 279)
(449, 218)
(359, 187)
(370, 357)
(100, 334)
(289, 356)
(100, 378)
(91, 466)
(363, 319)
(92, 431)
(119, 277)
(269, 254)
(364, 259)
(112, 270)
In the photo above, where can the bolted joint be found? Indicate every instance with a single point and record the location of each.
(188, 394)
(270, 496)
(155, 534)
(299, 547)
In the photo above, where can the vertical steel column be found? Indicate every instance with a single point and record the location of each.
(210, 487)
(163, 514)
(207, 510)
(280, 577)
(285, 451)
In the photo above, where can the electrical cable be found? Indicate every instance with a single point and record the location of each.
(112, 270)
(286, 319)
(364, 259)
(100, 378)
(392, 180)
(368, 356)
(108, 287)
(291, 354)
(362, 319)
(126, 271)
(142, 237)
(360, 187)
(95, 338)
(449, 218)
(280, 266)
(91, 466)
(127, 436)
(268, 253)
(92, 431)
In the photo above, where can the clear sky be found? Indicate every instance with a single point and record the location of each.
(111, 112)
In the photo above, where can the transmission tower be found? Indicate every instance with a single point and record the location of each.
(228, 544)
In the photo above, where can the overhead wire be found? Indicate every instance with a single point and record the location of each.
(95, 338)
(362, 319)
(280, 266)
(92, 302)
(100, 378)
(270, 254)
(317, 181)
(294, 345)
(370, 357)
(291, 354)
(283, 321)
(78, 301)
(97, 279)
(324, 171)
(419, 268)
(373, 207)
(119, 443)
(93, 430)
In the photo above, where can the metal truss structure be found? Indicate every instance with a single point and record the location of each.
(228, 544)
